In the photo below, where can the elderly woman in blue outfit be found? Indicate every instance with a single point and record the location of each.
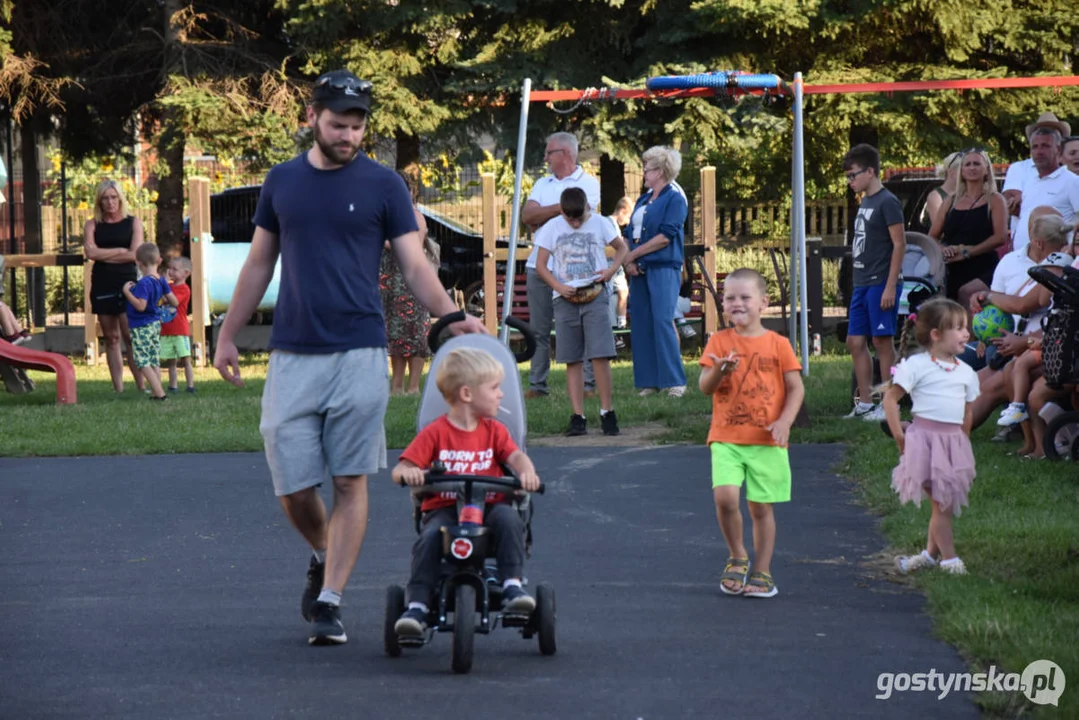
(654, 266)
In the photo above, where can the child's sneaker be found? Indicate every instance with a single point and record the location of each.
(412, 623)
(910, 563)
(174, 390)
(610, 423)
(875, 415)
(1014, 414)
(191, 390)
(860, 411)
(578, 425)
(516, 600)
(954, 566)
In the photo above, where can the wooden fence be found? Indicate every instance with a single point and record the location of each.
(52, 227)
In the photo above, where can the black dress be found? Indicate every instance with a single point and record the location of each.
(107, 279)
(969, 227)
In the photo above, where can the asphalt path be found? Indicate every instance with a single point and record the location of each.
(168, 587)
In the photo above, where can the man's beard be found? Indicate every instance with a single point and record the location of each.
(335, 153)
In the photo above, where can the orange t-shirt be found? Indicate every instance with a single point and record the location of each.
(751, 397)
(480, 452)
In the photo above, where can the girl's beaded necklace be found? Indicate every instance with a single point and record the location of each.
(946, 368)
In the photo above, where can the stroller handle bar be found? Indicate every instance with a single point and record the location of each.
(1066, 287)
(434, 341)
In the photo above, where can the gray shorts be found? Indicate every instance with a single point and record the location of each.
(322, 416)
(583, 332)
(619, 283)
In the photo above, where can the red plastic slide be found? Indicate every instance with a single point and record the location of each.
(23, 359)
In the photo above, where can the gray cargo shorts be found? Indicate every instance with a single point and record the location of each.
(322, 416)
(583, 332)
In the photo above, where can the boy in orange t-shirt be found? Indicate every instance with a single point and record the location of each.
(756, 387)
(469, 441)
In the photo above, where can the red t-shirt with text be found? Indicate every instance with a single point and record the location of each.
(179, 325)
(479, 452)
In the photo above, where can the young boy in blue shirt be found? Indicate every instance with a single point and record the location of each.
(143, 298)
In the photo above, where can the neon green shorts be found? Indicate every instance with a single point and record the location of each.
(765, 469)
(175, 347)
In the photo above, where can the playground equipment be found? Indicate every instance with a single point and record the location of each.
(15, 360)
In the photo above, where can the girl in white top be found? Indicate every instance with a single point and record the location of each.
(935, 456)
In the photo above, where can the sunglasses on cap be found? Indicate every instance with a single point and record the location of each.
(347, 85)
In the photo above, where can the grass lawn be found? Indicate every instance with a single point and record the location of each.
(1019, 537)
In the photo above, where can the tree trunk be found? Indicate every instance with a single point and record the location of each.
(31, 197)
(408, 161)
(612, 182)
(170, 148)
(170, 187)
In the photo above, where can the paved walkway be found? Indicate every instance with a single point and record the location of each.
(168, 587)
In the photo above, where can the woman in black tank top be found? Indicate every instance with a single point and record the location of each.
(110, 241)
(970, 226)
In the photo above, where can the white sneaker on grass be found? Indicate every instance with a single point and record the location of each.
(875, 415)
(909, 563)
(954, 566)
(859, 411)
(1014, 414)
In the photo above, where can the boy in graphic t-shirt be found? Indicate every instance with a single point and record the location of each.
(877, 252)
(469, 441)
(176, 333)
(756, 387)
(572, 259)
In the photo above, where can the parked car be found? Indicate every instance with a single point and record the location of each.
(461, 247)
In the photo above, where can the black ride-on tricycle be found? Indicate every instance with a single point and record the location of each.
(469, 591)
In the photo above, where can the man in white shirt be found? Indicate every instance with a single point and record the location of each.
(1048, 183)
(542, 205)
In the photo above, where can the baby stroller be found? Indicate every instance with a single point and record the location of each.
(469, 589)
(922, 277)
(1060, 357)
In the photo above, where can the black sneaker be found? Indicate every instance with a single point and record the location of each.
(316, 572)
(577, 426)
(326, 625)
(412, 623)
(516, 600)
(610, 423)
(191, 390)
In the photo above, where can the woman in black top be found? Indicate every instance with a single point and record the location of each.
(970, 226)
(111, 239)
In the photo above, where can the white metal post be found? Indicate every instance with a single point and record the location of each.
(799, 201)
(515, 223)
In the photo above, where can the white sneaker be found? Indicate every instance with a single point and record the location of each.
(909, 563)
(954, 566)
(647, 391)
(1014, 414)
(687, 331)
(874, 415)
(676, 391)
(859, 411)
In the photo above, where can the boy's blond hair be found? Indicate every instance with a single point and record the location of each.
(752, 275)
(183, 262)
(466, 366)
(148, 254)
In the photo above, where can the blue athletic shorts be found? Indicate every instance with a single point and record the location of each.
(866, 317)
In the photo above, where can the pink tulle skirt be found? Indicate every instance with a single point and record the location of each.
(937, 461)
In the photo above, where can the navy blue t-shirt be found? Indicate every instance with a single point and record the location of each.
(331, 225)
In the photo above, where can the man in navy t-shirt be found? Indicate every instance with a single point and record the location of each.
(327, 213)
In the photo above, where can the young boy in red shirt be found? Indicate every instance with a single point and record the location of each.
(468, 441)
(176, 334)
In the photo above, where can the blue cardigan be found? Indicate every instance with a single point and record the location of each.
(666, 215)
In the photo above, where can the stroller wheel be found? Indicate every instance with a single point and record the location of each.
(1062, 436)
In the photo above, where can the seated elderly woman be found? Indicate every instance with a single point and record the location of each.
(654, 265)
(1015, 292)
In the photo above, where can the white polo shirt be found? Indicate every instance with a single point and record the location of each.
(1017, 174)
(1059, 189)
(548, 191)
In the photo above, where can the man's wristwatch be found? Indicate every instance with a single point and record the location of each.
(965, 252)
